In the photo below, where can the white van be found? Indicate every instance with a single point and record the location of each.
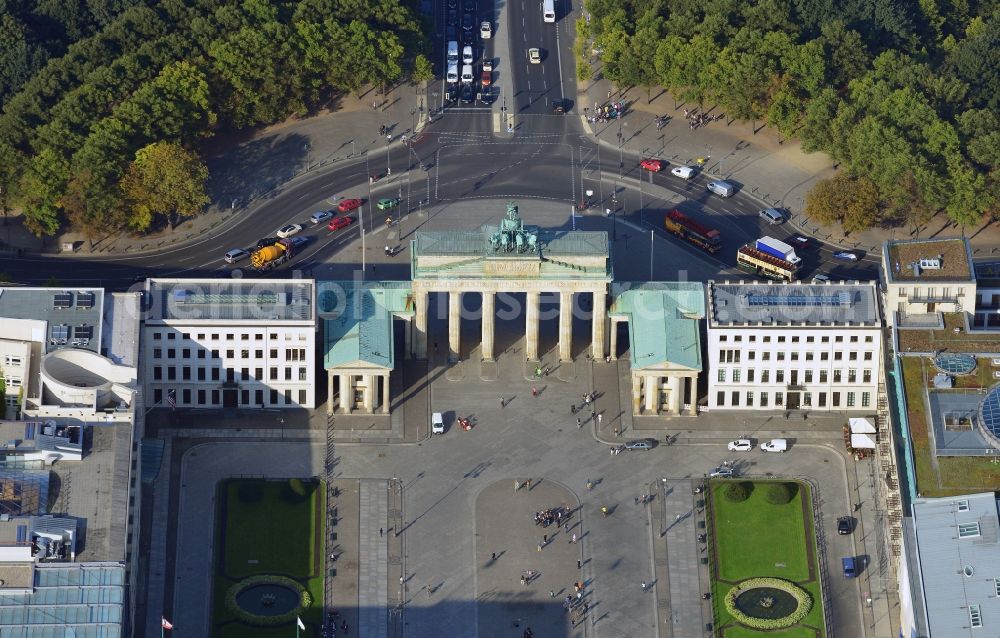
(722, 189)
(466, 55)
(452, 51)
(466, 74)
(771, 216)
(437, 423)
(452, 75)
(774, 445)
(548, 11)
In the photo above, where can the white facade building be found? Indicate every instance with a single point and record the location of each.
(210, 343)
(926, 277)
(793, 346)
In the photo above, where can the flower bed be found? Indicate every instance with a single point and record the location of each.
(802, 597)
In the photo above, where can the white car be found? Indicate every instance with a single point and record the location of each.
(488, 65)
(485, 30)
(437, 423)
(774, 445)
(320, 216)
(289, 230)
(534, 55)
(740, 445)
(684, 172)
(236, 254)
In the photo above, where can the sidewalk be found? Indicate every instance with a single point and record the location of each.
(250, 167)
(779, 173)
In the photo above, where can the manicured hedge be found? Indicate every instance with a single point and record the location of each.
(305, 600)
(802, 597)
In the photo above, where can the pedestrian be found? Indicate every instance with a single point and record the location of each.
(517, 485)
(539, 547)
(593, 415)
(579, 422)
(609, 94)
(636, 500)
(501, 402)
(527, 484)
(604, 510)
(524, 581)
(534, 391)
(493, 556)
(590, 485)
(574, 538)
(572, 409)
(552, 593)
(545, 538)
(380, 532)
(643, 585)
(579, 564)
(616, 432)
(600, 417)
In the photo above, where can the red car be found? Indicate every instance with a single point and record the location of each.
(800, 241)
(341, 222)
(348, 205)
(654, 165)
(487, 78)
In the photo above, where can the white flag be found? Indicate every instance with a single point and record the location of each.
(301, 624)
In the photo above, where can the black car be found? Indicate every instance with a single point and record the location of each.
(452, 4)
(467, 37)
(452, 93)
(467, 22)
(558, 106)
(844, 525)
(451, 33)
(266, 241)
(452, 17)
(467, 95)
(469, 5)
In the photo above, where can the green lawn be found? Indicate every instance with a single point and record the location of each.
(281, 533)
(755, 538)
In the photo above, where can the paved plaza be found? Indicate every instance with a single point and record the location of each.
(459, 507)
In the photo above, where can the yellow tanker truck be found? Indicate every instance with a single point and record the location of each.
(274, 255)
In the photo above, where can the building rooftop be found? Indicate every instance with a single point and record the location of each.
(68, 599)
(987, 273)
(120, 333)
(182, 301)
(72, 315)
(792, 304)
(357, 319)
(951, 335)
(664, 319)
(928, 260)
(958, 540)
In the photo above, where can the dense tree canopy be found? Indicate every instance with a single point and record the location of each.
(904, 93)
(94, 92)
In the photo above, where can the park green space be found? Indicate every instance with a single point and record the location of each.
(279, 531)
(755, 538)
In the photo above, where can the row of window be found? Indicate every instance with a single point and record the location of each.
(12, 382)
(777, 399)
(291, 354)
(794, 377)
(198, 373)
(10, 360)
(733, 356)
(171, 335)
(245, 398)
(796, 339)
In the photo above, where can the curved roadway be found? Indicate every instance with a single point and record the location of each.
(460, 156)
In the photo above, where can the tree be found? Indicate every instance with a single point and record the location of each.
(39, 190)
(423, 70)
(780, 493)
(737, 491)
(11, 165)
(851, 202)
(165, 179)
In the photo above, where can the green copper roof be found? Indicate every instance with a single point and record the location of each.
(357, 319)
(663, 322)
(553, 243)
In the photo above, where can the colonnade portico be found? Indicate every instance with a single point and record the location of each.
(510, 258)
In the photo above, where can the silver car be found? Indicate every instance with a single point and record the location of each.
(722, 471)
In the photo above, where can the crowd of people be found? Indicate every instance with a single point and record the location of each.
(553, 515)
(607, 112)
(696, 119)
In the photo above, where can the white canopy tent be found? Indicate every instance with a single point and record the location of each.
(861, 426)
(862, 441)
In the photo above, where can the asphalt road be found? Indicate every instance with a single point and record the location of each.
(548, 156)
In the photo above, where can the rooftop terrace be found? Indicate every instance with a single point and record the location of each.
(943, 259)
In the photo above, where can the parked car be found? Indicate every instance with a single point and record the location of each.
(535, 55)
(723, 471)
(684, 172)
(452, 17)
(845, 255)
(288, 230)
(640, 444)
(468, 97)
(850, 566)
(772, 216)
(320, 216)
(467, 37)
(845, 525)
(488, 65)
(651, 164)
(348, 205)
(236, 254)
(388, 202)
(774, 445)
(437, 423)
(467, 22)
(340, 222)
(740, 445)
(485, 30)
(486, 77)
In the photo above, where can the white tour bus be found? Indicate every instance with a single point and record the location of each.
(548, 11)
